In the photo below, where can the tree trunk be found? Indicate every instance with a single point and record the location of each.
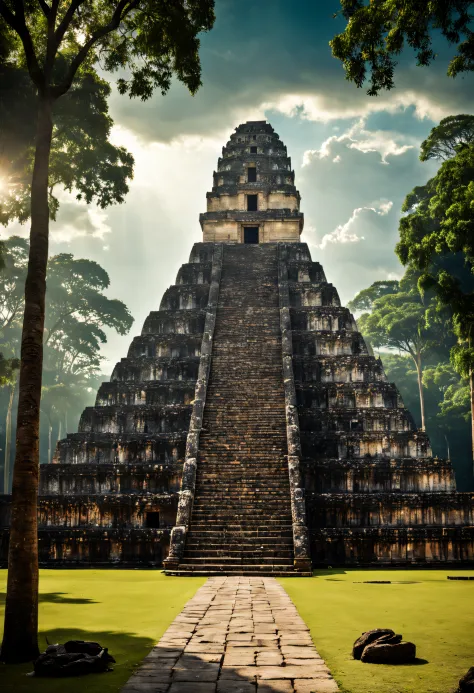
(50, 436)
(8, 440)
(471, 385)
(419, 373)
(20, 639)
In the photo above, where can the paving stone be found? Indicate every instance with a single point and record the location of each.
(247, 673)
(145, 688)
(291, 672)
(240, 637)
(200, 657)
(206, 647)
(275, 686)
(315, 686)
(197, 675)
(191, 663)
(235, 687)
(239, 658)
(192, 687)
(265, 658)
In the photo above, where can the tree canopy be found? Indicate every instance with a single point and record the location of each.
(83, 160)
(77, 310)
(445, 140)
(364, 300)
(402, 319)
(378, 30)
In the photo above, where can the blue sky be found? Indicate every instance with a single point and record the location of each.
(355, 156)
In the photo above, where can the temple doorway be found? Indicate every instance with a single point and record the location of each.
(251, 234)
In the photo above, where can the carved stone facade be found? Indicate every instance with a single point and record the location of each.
(250, 422)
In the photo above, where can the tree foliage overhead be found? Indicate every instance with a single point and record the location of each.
(83, 160)
(149, 41)
(378, 30)
(445, 140)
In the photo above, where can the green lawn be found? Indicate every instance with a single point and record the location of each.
(125, 610)
(431, 611)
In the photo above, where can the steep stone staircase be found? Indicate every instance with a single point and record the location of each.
(241, 518)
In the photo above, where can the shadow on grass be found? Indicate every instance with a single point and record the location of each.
(417, 662)
(56, 598)
(127, 648)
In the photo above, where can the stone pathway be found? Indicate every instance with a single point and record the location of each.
(236, 635)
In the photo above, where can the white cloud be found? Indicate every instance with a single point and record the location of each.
(384, 207)
(384, 142)
(334, 105)
(343, 232)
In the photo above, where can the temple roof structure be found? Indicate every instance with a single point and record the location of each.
(253, 198)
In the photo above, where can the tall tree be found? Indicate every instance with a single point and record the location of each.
(150, 41)
(377, 31)
(402, 320)
(446, 407)
(437, 239)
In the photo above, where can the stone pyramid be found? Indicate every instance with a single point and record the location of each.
(250, 429)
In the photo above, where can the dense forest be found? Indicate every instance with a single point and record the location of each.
(426, 320)
(77, 311)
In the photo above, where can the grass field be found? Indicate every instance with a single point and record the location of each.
(128, 610)
(431, 611)
(125, 610)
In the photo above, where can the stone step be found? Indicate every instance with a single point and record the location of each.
(245, 527)
(236, 569)
(235, 557)
(276, 540)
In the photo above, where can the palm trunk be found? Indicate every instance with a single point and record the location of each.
(20, 639)
(419, 373)
(8, 441)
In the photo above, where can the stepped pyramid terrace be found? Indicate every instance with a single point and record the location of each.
(250, 429)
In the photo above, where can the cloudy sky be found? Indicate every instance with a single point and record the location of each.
(355, 156)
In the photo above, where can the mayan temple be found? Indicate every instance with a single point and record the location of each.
(250, 429)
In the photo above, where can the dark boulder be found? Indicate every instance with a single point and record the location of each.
(367, 638)
(384, 653)
(466, 684)
(86, 647)
(75, 658)
(389, 640)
